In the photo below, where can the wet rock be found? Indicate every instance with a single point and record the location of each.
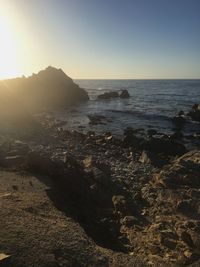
(179, 120)
(124, 94)
(132, 138)
(151, 132)
(177, 136)
(108, 95)
(181, 113)
(195, 112)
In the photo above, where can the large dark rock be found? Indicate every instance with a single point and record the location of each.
(124, 94)
(183, 171)
(48, 88)
(108, 95)
(195, 112)
(164, 145)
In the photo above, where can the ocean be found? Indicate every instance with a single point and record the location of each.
(152, 105)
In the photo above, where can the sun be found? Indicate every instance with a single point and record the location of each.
(9, 56)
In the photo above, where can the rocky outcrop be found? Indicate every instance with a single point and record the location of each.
(124, 94)
(195, 112)
(110, 95)
(46, 89)
(157, 149)
(184, 171)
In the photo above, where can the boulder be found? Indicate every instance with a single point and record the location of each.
(163, 145)
(108, 95)
(124, 94)
(183, 171)
(119, 203)
(48, 88)
(195, 113)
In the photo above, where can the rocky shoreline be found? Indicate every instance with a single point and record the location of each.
(134, 200)
(74, 199)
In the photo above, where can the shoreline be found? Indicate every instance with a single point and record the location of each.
(121, 192)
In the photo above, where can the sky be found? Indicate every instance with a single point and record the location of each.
(101, 39)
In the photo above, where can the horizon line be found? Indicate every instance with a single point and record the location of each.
(136, 79)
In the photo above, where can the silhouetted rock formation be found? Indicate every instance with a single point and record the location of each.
(13, 115)
(124, 94)
(195, 112)
(109, 95)
(49, 88)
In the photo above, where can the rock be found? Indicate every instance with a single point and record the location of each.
(131, 137)
(48, 88)
(177, 136)
(152, 132)
(14, 162)
(144, 158)
(163, 145)
(108, 95)
(195, 113)
(171, 244)
(186, 237)
(41, 163)
(179, 120)
(119, 203)
(185, 206)
(181, 113)
(124, 94)
(182, 171)
(168, 234)
(129, 221)
(4, 259)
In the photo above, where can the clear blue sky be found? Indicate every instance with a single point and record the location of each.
(107, 38)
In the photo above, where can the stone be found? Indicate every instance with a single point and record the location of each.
(4, 259)
(144, 158)
(129, 221)
(195, 112)
(163, 145)
(119, 203)
(186, 237)
(182, 171)
(152, 132)
(124, 94)
(48, 88)
(108, 95)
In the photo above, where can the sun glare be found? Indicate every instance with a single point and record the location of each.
(9, 57)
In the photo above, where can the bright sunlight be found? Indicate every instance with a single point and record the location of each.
(9, 56)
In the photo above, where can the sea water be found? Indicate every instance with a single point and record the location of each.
(152, 105)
